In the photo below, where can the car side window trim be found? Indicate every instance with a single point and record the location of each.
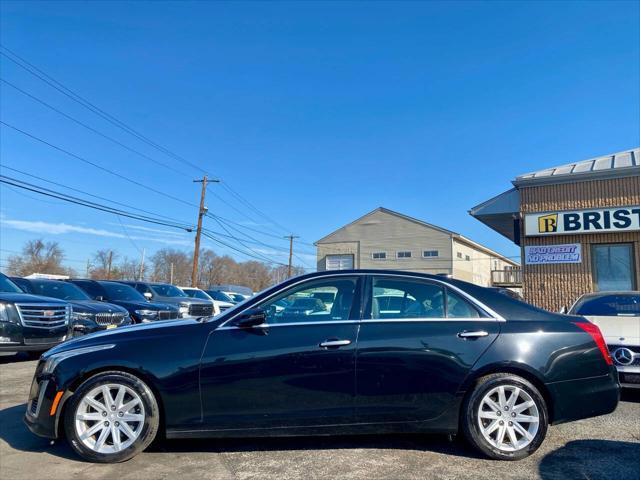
(491, 315)
(356, 307)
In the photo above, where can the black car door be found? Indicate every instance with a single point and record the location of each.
(297, 369)
(417, 341)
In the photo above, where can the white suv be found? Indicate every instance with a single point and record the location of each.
(618, 316)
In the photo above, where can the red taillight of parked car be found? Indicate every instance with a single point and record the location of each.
(596, 334)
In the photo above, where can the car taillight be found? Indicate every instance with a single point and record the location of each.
(596, 334)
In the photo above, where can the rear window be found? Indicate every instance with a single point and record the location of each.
(609, 306)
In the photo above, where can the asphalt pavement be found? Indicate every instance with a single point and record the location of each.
(605, 447)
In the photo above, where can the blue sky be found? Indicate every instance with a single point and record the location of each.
(314, 112)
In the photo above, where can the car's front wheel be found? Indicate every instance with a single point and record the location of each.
(505, 417)
(111, 417)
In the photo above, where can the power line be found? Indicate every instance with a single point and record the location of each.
(98, 166)
(87, 193)
(96, 206)
(88, 127)
(37, 72)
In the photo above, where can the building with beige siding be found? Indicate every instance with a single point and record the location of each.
(578, 226)
(384, 239)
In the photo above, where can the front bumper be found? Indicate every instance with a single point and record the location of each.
(584, 398)
(38, 417)
(18, 338)
(629, 376)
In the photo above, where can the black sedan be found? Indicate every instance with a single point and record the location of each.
(450, 357)
(88, 315)
(139, 308)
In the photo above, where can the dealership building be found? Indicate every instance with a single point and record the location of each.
(578, 226)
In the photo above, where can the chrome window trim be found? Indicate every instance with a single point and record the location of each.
(492, 314)
(291, 324)
(429, 320)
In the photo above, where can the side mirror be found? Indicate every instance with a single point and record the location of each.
(251, 318)
(100, 298)
(148, 295)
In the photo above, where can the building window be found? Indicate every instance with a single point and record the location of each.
(613, 267)
(339, 262)
(467, 258)
(403, 255)
(379, 255)
(430, 253)
(459, 254)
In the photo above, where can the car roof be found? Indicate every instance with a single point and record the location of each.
(606, 294)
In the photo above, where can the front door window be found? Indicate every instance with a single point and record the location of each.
(613, 267)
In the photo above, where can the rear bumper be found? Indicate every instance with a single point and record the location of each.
(584, 398)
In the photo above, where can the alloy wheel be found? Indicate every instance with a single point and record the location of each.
(109, 418)
(508, 418)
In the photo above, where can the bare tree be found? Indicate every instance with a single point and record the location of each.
(104, 264)
(38, 257)
(170, 264)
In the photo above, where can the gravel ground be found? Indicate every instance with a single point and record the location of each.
(599, 448)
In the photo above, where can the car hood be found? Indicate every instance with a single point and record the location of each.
(618, 330)
(147, 305)
(105, 337)
(28, 298)
(189, 300)
(93, 306)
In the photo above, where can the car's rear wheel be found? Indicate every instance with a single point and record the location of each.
(505, 417)
(111, 417)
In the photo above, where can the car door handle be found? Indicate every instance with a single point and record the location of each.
(335, 343)
(474, 334)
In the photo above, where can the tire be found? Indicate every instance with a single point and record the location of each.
(111, 431)
(485, 407)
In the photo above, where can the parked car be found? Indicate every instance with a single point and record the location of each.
(493, 368)
(223, 300)
(139, 308)
(88, 315)
(167, 293)
(31, 323)
(617, 314)
(235, 293)
(218, 306)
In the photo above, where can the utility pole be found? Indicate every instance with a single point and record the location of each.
(88, 267)
(141, 266)
(109, 265)
(201, 212)
(171, 274)
(290, 237)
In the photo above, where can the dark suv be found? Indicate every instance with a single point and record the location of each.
(167, 293)
(29, 322)
(140, 310)
(88, 315)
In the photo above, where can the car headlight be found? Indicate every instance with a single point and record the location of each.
(4, 315)
(184, 309)
(8, 313)
(147, 313)
(81, 316)
(54, 360)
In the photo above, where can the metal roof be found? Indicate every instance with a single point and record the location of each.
(615, 165)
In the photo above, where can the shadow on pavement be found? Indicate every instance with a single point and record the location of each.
(17, 435)
(592, 459)
(417, 442)
(17, 357)
(630, 395)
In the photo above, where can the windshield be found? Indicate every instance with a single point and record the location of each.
(221, 296)
(118, 291)
(7, 286)
(61, 290)
(193, 293)
(166, 290)
(609, 306)
(237, 297)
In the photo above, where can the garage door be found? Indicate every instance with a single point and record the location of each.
(339, 262)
